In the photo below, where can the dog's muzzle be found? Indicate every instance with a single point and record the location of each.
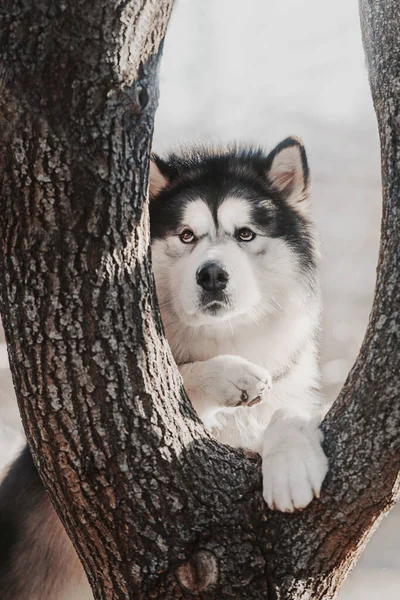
(212, 278)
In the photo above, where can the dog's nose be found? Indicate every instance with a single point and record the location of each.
(212, 277)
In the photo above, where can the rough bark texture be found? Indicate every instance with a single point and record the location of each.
(155, 508)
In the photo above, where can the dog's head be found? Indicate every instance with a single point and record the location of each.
(231, 232)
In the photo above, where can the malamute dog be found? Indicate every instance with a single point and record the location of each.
(235, 264)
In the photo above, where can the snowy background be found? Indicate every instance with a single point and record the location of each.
(258, 71)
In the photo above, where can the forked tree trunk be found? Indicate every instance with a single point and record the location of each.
(155, 507)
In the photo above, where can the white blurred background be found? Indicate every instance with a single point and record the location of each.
(258, 71)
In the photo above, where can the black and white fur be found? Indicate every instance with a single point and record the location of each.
(235, 264)
(254, 334)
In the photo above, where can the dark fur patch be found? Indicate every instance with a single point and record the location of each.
(37, 559)
(215, 175)
(20, 488)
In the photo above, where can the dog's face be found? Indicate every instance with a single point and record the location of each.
(230, 232)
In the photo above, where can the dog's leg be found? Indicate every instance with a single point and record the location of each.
(223, 381)
(37, 559)
(294, 464)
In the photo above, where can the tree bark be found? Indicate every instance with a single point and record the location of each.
(153, 505)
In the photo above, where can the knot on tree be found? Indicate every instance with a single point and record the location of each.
(138, 98)
(133, 100)
(199, 573)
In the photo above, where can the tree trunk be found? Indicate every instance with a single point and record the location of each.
(154, 506)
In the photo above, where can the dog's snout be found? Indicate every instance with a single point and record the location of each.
(212, 277)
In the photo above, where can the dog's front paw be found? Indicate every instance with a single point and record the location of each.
(294, 465)
(239, 382)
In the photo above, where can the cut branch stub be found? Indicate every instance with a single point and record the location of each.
(199, 573)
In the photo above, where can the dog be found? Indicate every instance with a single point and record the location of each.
(235, 260)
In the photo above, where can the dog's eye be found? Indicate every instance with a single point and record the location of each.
(245, 234)
(187, 236)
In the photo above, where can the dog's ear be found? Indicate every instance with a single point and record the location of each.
(158, 176)
(287, 170)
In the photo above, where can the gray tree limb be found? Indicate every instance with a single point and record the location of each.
(153, 505)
